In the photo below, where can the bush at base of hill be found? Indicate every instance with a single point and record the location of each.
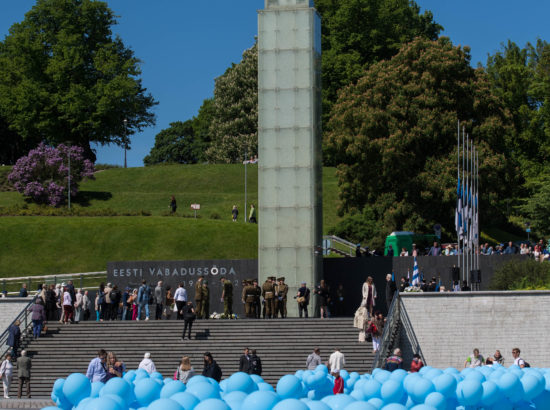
(522, 275)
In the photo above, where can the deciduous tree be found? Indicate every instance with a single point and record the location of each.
(65, 77)
(394, 136)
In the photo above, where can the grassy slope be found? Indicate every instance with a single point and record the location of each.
(43, 245)
(32, 245)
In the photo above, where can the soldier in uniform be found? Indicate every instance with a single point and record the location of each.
(257, 299)
(198, 296)
(268, 293)
(227, 296)
(282, 291)
(248, 298)
(205, 297)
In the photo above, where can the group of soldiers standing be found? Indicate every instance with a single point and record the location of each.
(274, 293)
(202, 298)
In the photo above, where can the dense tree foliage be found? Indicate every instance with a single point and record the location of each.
(12, 146)
(234, 126)
(357, 33)
(394, 136)
(65, 77)
(521, 275)
(520, 76)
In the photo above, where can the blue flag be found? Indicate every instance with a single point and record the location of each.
(416, 274)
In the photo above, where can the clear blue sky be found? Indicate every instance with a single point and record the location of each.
(185, 44)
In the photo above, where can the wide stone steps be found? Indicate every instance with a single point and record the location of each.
(282, 344)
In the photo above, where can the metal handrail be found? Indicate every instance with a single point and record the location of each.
(26, 323)
(386, 342)
(349, 247)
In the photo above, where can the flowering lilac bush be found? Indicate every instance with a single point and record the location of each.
(43, 173)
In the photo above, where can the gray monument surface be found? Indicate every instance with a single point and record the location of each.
(289, 146)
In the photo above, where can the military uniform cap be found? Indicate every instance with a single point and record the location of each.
(281, 278)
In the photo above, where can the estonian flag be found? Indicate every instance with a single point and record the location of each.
(416, 274)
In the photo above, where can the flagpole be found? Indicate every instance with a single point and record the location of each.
(463, 191)
(467, 239)
(477, 202)
(472, 208)
(459, 222)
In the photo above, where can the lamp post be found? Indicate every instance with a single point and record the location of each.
(125, 142)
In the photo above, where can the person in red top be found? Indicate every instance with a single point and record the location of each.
(338, 383)
(416, 363)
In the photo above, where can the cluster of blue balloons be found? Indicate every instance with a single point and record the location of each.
(483, 387)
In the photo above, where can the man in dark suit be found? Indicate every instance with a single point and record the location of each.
(24, 373)
(244, 361)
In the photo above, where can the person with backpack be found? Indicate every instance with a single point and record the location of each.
(518, 361)
(255, 366)
(144, 296)
(115, 297)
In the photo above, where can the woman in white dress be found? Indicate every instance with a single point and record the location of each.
(369, 295)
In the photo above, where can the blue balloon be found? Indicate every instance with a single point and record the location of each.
(471, 392)
(372, 389)
(542, 401)
(445, 384)
(410, 381)
(382, 376)
(394, 406)
(156, 375)
(258, 379)
(96, 389)
(344, 374)
(199, 378)
(391, 391)
(358, 395)
(234, 399)
(432, 374)
(491, 393)
(103, 403)
(58, 386)
(475, 375)
(398, 375)
(165, 404)
(260, 400)
(290, 404)
(77, 387)
(532, 386)
(421, 389)
(241, 382)
(360, 405)
(212, 404)
(203, 391)
(423, 407)
(265, 387)
(424, 369)
(130, 376)
(120, 401)
(186, 400)
(317, 405)
(146, 391)
(289, 387)
(510, 386)
(118, 387)
(321, 368)
(355, 375)
(168, 390)
(339, 401)
(376, 402)
(436, 400)
(83, 403)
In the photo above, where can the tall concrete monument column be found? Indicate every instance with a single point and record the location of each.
(289, 147)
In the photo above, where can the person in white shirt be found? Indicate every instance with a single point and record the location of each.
(180, 297)
(6, 373)
(518, 361)
(337, 361)
(147, 364)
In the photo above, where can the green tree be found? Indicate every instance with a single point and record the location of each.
(176, 144)
(521, 78)
(394, 136)
(65, 77)
(234, 125)
(12, 146)
(358, 33)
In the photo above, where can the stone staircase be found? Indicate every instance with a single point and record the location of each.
(282, 344)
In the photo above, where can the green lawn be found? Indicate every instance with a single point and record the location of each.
(215, 187)
(52, 245)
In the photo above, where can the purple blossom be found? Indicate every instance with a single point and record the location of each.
(43, 173)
